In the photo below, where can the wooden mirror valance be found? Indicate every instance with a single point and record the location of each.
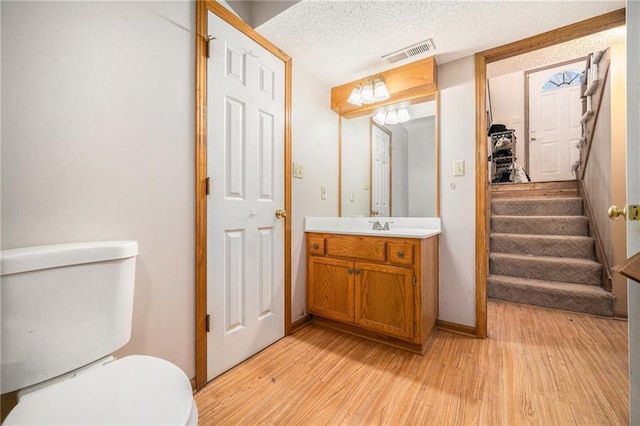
(412, 83)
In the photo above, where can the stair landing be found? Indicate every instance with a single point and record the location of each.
(563, 189)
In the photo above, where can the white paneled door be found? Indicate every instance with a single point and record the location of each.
(380, 171)
(554, 124)
(245, 239)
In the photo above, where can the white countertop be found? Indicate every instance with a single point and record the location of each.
(405, 227)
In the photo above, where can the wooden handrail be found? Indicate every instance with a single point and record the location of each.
(596, 102)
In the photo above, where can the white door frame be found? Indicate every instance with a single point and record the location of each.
(201, 183)
(633, 197)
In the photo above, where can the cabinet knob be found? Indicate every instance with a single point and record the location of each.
(356, 271)
(400, 253)
(349, 271)
(316, 246)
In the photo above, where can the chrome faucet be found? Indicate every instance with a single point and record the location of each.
(377, 226)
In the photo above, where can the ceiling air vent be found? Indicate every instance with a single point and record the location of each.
(407, 52)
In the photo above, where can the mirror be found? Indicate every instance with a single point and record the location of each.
(403, 180)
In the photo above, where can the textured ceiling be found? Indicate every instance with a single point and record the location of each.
(342, 40)
(573, 49)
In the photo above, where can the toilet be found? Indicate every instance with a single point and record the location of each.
(65, 309)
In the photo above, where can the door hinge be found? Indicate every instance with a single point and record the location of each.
(209, 38)
(415, 329)
(415, 281)
(207, 186)
(207, 323)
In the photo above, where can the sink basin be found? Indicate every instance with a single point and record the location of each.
(393, 232)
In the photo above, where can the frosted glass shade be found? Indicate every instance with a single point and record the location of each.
(403, 115)
(380, 92)
(356, 96)
(367, 94)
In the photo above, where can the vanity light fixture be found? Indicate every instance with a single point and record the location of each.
(391, 116)
(370, 91)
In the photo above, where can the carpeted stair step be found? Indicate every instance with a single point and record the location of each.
(543, 245)
(537, 206)
(540, 225)
(572, 297)
(580, 271)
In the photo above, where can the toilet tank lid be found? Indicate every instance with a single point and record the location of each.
(25, 259)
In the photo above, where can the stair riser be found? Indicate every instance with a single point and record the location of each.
(539, 246)
(538, 207)
(577, 225)
(542, 269)
(602, 306)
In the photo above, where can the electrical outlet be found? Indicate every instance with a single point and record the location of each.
(458, 168)
(516, 119)
(298, 170)
(323, 193)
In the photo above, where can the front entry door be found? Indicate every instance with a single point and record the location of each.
(554, 122)
(380, 171)
(245, 239)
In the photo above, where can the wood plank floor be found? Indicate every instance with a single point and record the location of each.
(538, 366)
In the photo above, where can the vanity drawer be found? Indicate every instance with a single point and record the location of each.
(316, 245)
(357, 248)
(401, 253)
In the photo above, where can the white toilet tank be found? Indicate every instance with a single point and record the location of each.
(63, 306)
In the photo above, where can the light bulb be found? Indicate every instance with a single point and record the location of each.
(380, 92)
(367, 94)
(392, 117)
(356, 96)
(379, 116)
(403, 115)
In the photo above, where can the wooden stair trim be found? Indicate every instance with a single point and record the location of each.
(554, 189)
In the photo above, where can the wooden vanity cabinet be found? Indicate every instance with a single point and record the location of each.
(382, 288)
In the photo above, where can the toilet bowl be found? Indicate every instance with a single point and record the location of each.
(65, 308)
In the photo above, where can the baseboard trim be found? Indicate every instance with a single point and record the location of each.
(453, 327)
(300, 323)
(193, 385)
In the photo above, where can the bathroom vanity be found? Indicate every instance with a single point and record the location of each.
(379, 284)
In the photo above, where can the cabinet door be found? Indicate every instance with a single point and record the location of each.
(384, 299)
(330, 288)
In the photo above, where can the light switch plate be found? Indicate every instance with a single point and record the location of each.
(458, 168)
(323, 193)
(298, 170)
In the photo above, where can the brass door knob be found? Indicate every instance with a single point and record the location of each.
(281, 213)
(615, 211)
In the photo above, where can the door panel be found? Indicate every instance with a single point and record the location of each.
(245, 240)
(554, 126)
(331, 294)
(384, 299)
(380, 171)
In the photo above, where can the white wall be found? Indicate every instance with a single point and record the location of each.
(399, 170)
(507, 107)
(314, 130)
(356, 165)
(422, 166)
(457, 194)
(97, 143)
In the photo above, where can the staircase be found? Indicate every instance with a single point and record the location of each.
(540, 249)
